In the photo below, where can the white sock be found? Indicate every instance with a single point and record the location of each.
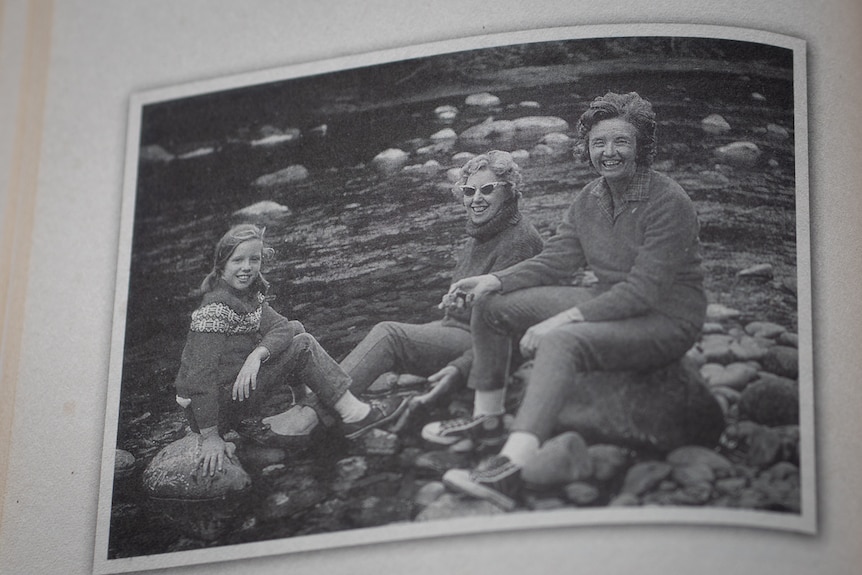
(350, 408)
(490, 402)
(520, 447)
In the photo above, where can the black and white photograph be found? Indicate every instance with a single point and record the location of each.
(512, 282)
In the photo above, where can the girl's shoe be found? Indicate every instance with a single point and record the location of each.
(382, 412)
(482, 429)
(496, 480)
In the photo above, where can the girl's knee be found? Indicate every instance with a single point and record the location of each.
(304, 341)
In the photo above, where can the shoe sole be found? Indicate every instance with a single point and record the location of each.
(382, 421)
(459, 480)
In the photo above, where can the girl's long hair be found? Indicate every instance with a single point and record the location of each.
(225, 247)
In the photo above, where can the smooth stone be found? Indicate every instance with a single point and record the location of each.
(462, 158)
(645, 476)
(319, 131)
(714, 124)
(561, 459)
(782, 471)
(764, 447)
(695, 454)
(758, 97)
(762, 271)
(608, 460)
(581, 493)
(488, 131)
(731, 485)
(788, 339)
(197, 153)
(174, 473)
(540, 125)
(303, 494)
(429, 493)
(543, 151)
(694, 494)
(529, 104)
(712, 328)
(378, 442)
(730, 395)
(777, 132)
(446, 112)
(664, 165)
(543, 503)
(719, 312)
(693, 474)
(661, 409)
(289, 175)
(739, 154)
(521, 157)
(348, 471)
(450, 506)
(155, 154)
(453, 175)
(273, 469)
(288, 135)
(624, 500)
(765, 329)
(747, 349)
(556, 140)
(782, 360)
(716, 348)
(124, 463)
(735, 375)
(441, 147)
(445, 134)
(771, 401)
(482, 100)
(264, 208)
(390, 160)
(711, 179)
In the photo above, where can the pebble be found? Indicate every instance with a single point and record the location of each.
(483, 100)
(155, 154)
(714, 124)
(788, 339)
(748, 348)
(450, 506)
(445, 134)
(429, 493)
(761, 271)
(373, 511)
(735, 375)
(693, 474)
(644, 476)
(765, 329)
(695, 454)
(124, 463)
(561, 459)
(289, 175)
(731, 485)
(348, 471)
(608, 460)
(719, 312)
(446, 113)
(738, 154)
(777, 132)
(782, 360)
(624, 499)
(390, 160)
(378, 442)
(581, 493)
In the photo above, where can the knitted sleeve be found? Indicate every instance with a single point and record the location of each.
(277, 332)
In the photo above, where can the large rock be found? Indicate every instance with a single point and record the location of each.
(489, 131)
(738, 154)
(771, 401)
(662, 409)
(289, 175)
(174, 473)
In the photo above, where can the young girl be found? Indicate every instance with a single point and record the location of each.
(238, 346)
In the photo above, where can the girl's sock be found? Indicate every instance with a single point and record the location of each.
(350, 408)
(520, 447)
(490, 402)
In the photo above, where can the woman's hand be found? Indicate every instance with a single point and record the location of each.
(533, 336)
(246, 379)
(464, 292)
(441, 383)
(213, 451)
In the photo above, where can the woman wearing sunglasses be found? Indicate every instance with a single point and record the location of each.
(490, 189)
(637, 230)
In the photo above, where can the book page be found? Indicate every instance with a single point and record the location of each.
(51, 499)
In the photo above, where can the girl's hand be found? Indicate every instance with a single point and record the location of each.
(471, 289)
(246, 379)
(213, 451)
(533, 336)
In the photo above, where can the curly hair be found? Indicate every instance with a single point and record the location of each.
(500, 163)
(629, 107)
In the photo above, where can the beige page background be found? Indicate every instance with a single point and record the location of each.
(62, 173)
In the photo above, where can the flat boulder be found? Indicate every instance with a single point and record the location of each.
(289, 175)
(173, 473)
(661, 410)
(266, 208)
